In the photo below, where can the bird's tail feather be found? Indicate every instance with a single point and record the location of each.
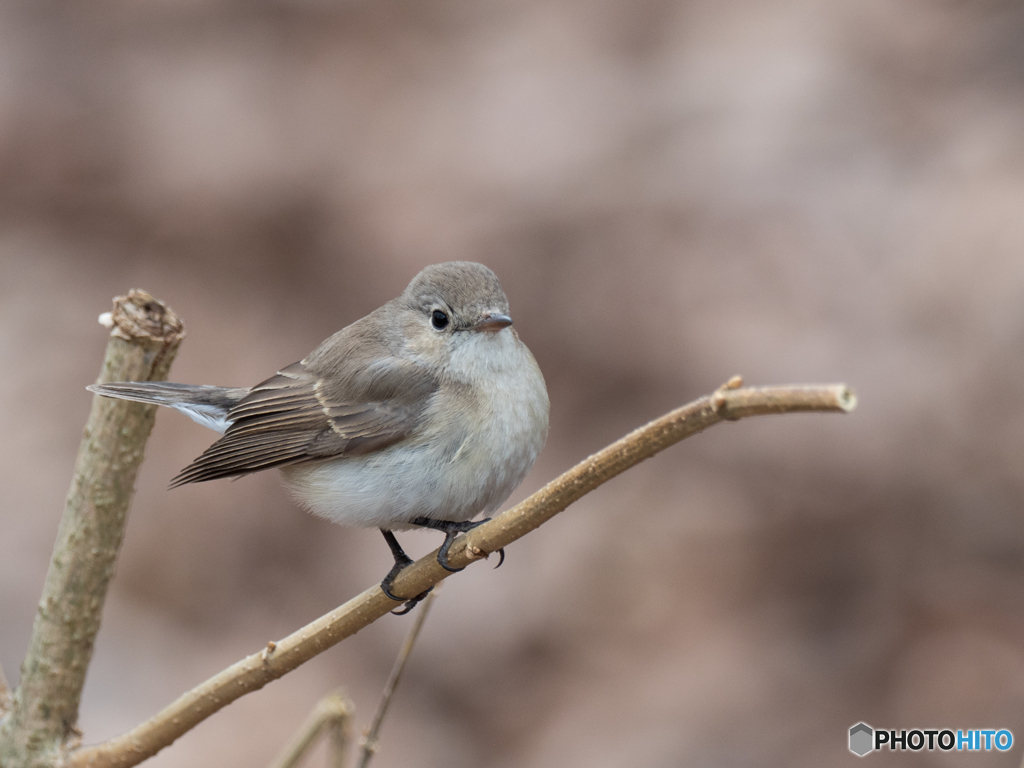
(202, 403)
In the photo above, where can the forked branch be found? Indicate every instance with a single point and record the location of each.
(728, 403)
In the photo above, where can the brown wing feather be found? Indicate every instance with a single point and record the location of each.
(301, 414)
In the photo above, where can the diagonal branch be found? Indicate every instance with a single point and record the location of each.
(143, 341)
(726, 404)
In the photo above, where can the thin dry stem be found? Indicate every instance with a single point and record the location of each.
(339, 734)
(252, 673)
(368, 743)
(143, 341)
(333, 713)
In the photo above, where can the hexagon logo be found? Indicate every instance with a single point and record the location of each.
(861, 739)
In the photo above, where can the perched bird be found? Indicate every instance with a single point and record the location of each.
(426, 412)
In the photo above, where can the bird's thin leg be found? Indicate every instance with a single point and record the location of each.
(451, 530)
(401, 561)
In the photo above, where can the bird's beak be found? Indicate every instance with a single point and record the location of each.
(491, 322)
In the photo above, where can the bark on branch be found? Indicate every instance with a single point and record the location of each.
(144, 338)
(726, 404)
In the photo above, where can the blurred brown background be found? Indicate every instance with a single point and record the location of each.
(671, 193)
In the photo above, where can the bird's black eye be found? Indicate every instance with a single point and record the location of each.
(439, 319)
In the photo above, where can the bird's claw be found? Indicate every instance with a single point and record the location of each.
(401, 561)
(451, 531)
(442, 553)
(410, 602)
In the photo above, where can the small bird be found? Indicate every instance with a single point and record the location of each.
(425, 413)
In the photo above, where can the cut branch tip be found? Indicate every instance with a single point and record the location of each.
(847, 398)
(140, 316)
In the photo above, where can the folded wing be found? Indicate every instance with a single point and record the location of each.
(300, 415)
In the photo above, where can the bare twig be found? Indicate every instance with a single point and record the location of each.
(368, 743)
(332, 713)
(143, 341)
(726, 404)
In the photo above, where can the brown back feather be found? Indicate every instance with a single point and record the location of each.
(351, 396)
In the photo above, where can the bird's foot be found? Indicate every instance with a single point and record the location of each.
(451, 531)
(401, 561)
